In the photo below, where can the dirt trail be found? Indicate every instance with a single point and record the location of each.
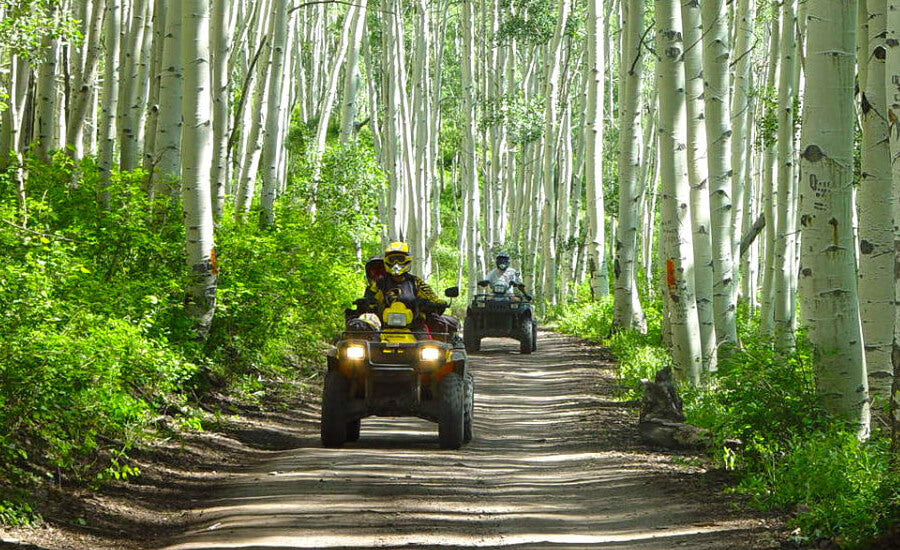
(554, 464)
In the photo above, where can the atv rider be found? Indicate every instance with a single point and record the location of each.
(506, 274)
(399, 284)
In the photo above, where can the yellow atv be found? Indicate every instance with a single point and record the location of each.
(388, 369)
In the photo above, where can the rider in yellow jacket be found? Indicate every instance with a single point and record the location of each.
(399, 284)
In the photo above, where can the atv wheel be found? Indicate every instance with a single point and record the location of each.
(353, 430)
(526, 338)
(470, 408)
(334, 406)
(472, 341)
(533, 336)
(452, 411)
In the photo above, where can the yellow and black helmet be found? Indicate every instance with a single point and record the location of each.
(397, 260)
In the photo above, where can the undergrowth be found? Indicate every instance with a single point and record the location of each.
(793, 457)
(94, 343)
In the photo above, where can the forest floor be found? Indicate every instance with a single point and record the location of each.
(555, 463)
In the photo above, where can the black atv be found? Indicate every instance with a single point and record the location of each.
(393, 369)
(498, 314)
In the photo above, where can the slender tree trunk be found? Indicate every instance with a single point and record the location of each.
(196, 159)
(876, 224)
(892, 80)
(351, 78)
(785, 219)
(675, 196)
(273, 143)
(84, 87)
(110, 103)
(222, 36)
(167, 141)
(627, 304)
(768, 138)
(827, 259)
(593, 145)
(467, 172)
(129, 105)
(551, 126)
(698, 177)
(716, 58)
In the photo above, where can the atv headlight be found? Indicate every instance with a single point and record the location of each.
(396, 319)
(355, 352)
(430, 354)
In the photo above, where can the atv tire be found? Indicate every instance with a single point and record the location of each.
(533, 336)
(334, 407)
(451, 419)
(526, 337)
(353, 430)
(471, 340)
(470, 408)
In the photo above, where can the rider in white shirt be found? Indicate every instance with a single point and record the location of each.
(505, 274)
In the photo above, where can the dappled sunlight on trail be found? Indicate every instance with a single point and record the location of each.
(536, 475)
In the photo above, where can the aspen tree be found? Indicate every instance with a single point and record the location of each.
(828, 253)
(84, 85)
(196, 160)
(698, 177)
(467, 171)
(593, 147)
(551, 127)
(785, 219)
(892, 82)
(107, 136)
(222, 31)
(716, 57)
(166, 166)
(274, 118)
(327, 105)
(678, 261)
(744, 19)
(130, 108)
(628, 312)
(876, 224)
(767, 294)
(154, 75)
(46, 108)
(351, 77)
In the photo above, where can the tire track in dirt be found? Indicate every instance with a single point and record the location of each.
(554, 464)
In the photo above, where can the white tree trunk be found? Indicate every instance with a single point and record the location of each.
(467, 172)
(593, 157)
(698, 177)
(351, 78)
(166, 167)
(876, 222)
(196, 160)
(892, 80)
(549, 158)
(678, 261)
(627, 304)
(785, 219)
(716, 57)
(84, 87)
(274, 119)
(827, 259)
(222, 31)
(130, 106)
(107, 137)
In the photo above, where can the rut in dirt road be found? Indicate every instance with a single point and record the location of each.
(554, 464)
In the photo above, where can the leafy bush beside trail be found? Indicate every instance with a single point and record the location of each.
(94, 343)
(794, 457)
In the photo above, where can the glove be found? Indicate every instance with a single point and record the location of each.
(483, 282)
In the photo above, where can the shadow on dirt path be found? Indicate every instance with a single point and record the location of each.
(555, 463)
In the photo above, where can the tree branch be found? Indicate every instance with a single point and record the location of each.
(751, 235)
